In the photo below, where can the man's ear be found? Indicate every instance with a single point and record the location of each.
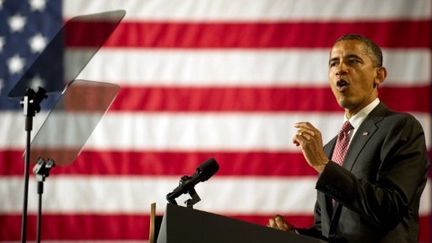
(381, 76)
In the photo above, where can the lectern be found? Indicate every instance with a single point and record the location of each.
(187, 225)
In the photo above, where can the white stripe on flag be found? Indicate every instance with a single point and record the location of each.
(186, 131)
(285, 67)
(260, 9)
(92, 194)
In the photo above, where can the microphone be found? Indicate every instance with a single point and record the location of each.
(206, 170)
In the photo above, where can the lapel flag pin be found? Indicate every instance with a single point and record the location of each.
(365, 133)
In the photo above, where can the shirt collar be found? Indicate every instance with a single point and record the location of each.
(357, 119)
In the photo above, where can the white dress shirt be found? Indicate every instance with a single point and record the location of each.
(357, 119)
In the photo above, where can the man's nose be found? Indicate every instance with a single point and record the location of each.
(341, 69)
(341, 72)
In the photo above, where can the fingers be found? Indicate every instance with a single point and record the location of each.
(300, 138)
(306, 135)
(271, 223)
(309, 139)
(305, 128)
(304, 125)
(278, 222)
(305, 132)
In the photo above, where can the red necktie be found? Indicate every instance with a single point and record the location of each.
(342, 143)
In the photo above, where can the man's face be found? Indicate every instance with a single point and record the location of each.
(353, 75)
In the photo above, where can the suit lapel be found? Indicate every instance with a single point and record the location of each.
(365, 132)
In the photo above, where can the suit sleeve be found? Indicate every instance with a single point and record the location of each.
(400, 178)
(315, 229)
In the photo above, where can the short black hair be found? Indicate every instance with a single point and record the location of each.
(371, 46)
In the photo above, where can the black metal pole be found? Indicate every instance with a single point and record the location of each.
(41, 170)
(39, 217)
(28, 128)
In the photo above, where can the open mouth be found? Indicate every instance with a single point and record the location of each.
(342, 85)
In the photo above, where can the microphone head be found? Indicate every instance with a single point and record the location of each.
(207, 169)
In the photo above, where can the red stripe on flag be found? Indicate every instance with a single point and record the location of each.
(250, 34)
(124, 226)
(261, 99)
(415, 99)
(169, 163)
(78, 227)
(425, 228)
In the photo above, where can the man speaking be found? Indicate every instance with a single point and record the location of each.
(372, 174)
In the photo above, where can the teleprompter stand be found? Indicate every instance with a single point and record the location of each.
(68, 126)
(50, 73)
(31, 105)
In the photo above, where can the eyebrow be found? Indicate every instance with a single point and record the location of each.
(353, 56)
(347, 56)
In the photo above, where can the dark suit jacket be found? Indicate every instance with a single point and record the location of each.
(377, 192)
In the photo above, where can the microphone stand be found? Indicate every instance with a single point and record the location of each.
(41, 169)
(31, 105)
(194, 198)
(191, 191)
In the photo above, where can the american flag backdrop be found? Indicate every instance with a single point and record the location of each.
(200, 78)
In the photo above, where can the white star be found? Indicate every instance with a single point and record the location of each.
(15, 64)
(36, 82)
(37, 43)
(2, 43)
(37, 5)
(17, 23)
